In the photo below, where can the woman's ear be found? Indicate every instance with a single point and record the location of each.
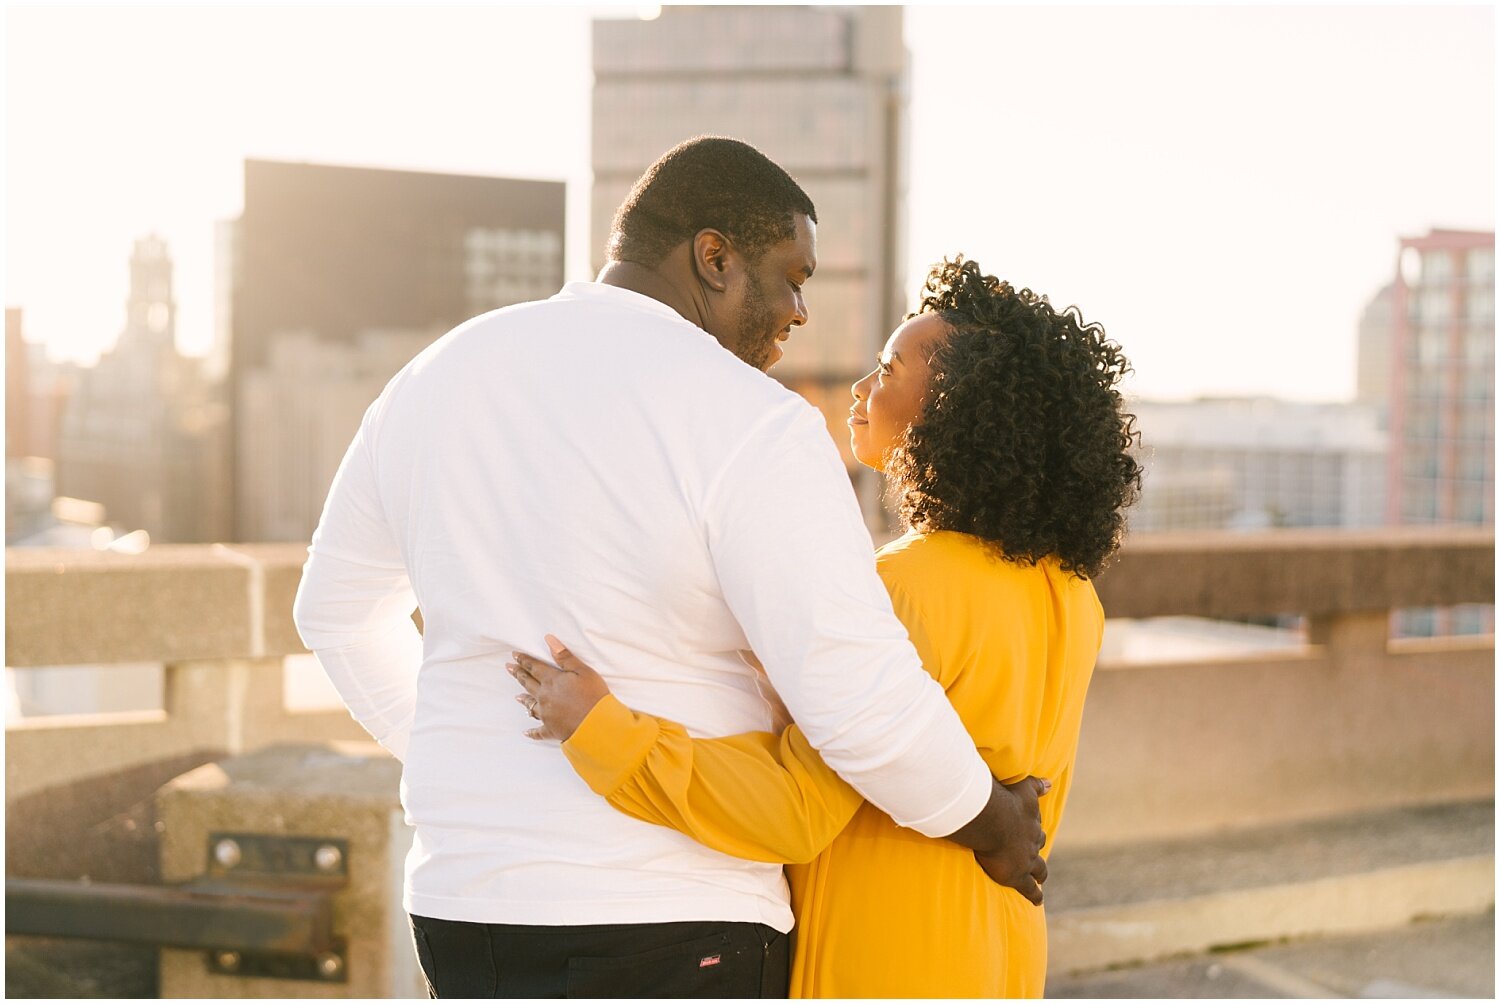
(713, 259)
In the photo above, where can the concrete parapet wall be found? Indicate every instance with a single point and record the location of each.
(1350, 722)
(1299, 572)
(223, 601)
(1192, 748)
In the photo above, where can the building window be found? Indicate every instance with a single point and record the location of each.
(1481, 266)
(1431, 346)
(1435, 306)
(504, 266)
(1437, 267)
(1480, 308)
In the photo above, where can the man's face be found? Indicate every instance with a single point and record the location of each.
(770, 300)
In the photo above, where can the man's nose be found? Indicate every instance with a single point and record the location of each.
(799, 306)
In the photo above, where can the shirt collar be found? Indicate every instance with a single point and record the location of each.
(619, 295)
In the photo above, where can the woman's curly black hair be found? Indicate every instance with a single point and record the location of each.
(1023, 439)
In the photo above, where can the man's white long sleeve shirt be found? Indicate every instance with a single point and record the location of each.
(596, 467)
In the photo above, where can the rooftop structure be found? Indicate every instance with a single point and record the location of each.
(325, 254)
(1255, 463)
(821, 90)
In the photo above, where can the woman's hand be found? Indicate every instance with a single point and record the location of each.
(560, 696)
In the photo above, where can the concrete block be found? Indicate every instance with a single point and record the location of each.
(338, 790)
(173, 602)
(278, 573)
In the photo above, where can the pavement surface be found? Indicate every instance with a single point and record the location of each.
(1271, 855)
(1452, 957)
(1437, 958)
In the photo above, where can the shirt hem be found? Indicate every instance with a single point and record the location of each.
(549, 913)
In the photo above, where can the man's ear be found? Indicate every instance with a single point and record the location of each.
(714, 259)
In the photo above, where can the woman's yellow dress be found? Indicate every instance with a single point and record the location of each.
(883, 911)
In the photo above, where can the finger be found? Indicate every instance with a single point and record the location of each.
(536, 667)
(566, 660)
(1044, 840)
(1042, 786)
(1027, 887)
(518, 670)
(529, 703)
(525, 679)
(1039, 872)
(540, 733)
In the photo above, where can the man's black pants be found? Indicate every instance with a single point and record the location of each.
(687, 959)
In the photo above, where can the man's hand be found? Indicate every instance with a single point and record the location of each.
(561, 696)
(1007, 837)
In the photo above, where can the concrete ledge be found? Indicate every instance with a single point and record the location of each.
(1299, 571)
(1365, 873)
(173, 602)
(233, 600)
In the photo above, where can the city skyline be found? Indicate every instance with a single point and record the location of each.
(1233, 178)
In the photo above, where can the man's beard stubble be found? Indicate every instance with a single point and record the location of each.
(757, 335)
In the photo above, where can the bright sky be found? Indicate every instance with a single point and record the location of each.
(1221, 187)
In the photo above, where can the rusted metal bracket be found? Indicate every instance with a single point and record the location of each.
(263, 908)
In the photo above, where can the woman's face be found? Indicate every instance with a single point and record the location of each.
(888, 399)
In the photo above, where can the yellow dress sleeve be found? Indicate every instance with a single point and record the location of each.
(757, 795)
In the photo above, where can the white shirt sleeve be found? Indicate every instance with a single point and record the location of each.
(795, 565)
(354, 605)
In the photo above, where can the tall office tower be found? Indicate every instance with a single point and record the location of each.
(142, 431)
(819, 90)
(1372, 385)
(1256, 463)
(327, 269)
(1442, 458)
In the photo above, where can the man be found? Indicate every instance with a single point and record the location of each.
(598, 466)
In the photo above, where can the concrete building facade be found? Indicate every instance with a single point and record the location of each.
(324, 258)
(820, 90)
(1258, 463)
(1442, 388)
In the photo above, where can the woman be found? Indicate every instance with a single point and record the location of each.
(998, 424)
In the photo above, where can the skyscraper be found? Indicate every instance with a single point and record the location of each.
(142, 433)
(328, 269)
(819, 90)
(1442, 390)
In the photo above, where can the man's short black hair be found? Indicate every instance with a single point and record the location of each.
(709, 182)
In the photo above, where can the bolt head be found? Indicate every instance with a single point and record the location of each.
(328, 858)
(330, 965)
(227, 960)
(227, 853)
